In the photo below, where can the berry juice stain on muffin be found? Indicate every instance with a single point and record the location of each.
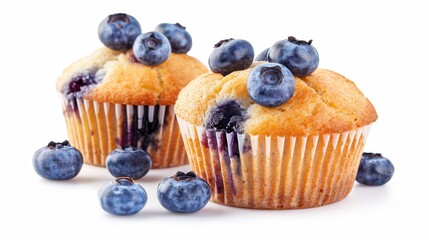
(79, 84)
(144, 128)
(227, 116)
(223, 126)
(227, 119)
(82, 82)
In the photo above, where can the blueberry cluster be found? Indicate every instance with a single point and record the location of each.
(122, 32)
(269, 85)
(184, 193)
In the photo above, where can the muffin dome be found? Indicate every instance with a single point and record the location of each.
(111, 100)
(116, 77)
(323, 102)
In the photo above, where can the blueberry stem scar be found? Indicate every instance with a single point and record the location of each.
(124, 178)
(52, 144)
(182, 176)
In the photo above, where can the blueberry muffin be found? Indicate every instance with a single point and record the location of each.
(123, 94)
(264, 137)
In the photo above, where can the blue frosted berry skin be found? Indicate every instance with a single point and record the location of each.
(262, 56)
(300, 57)
(183, 193)
(374, 169)
(122, 197)
(231, 55)
(151, 48)
(118, 31)
(128, 162)
(57, 161)
(270, 84)
(180, 39)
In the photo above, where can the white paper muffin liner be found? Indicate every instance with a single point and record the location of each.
(97, 128)
(270, 172)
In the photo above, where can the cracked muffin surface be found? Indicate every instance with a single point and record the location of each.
(323, 102)
(119, 78)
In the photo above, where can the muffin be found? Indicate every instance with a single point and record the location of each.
(300, 153)
(113, 98)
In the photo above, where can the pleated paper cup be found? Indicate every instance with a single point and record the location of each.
(271, 172)
(97, 128)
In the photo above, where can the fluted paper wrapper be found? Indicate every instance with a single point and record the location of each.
(270, 172)
(97, 128)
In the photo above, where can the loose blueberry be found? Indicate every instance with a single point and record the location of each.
(231, 55)
(122, 197)
(374, 169)
(183, 193)
(299, 56)
(118, 31)
(151, 48)
(57, 161)
(262, 56)
(180, 39)
(270, 84)
(128, 162)
(227, 116)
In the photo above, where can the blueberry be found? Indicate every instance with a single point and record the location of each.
(231, 55)
(128, 162)
(151, 48)
(118, 31)
(262, 56)
(374, 169)
(270, 84)
(227, 116)
(299, 56)
(180, 39)
(122, 197)
(57, 161)
(80, 81)
(183, 193)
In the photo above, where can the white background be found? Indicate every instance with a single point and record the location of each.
(381, 45)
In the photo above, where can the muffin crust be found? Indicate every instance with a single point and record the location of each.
(125, 81)
(324, 102)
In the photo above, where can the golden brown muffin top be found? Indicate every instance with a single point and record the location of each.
(119, 78)
(324, 102)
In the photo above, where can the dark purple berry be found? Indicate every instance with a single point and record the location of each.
(180, 40)
(151, 48)
(227, 116)
(57, 161)
(374, 169)
(262, 56)
(122, 197)
(183, 193)
(299, 56)
(128, 162)
(231, 55)
(118, 31)
(270, 84)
